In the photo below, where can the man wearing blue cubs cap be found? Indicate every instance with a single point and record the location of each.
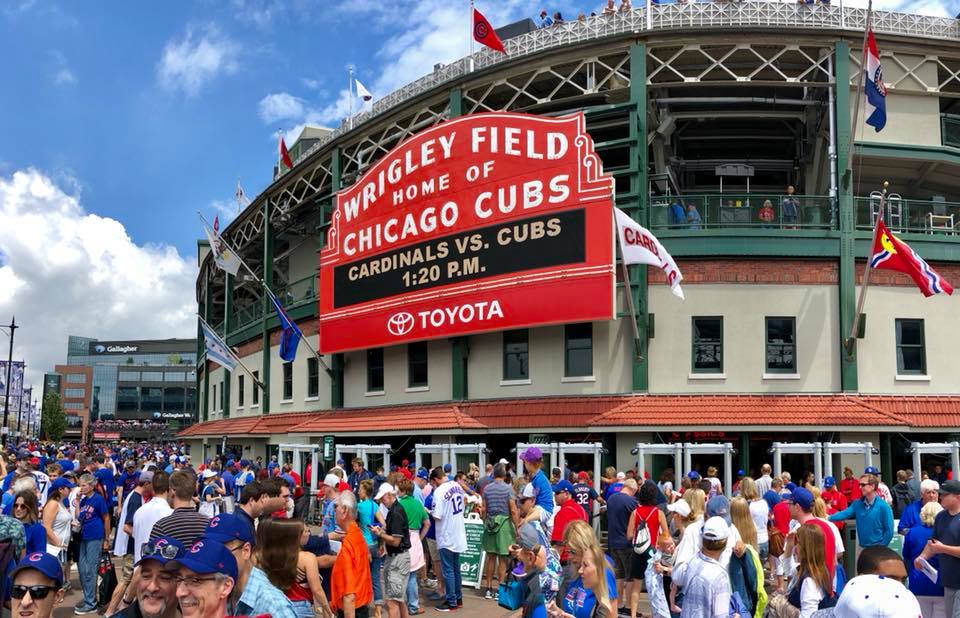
(37, 586)
(254, 593)
(569, 511)
(206, 576)
(156, 587)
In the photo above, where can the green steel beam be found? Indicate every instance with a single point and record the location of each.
(456, 102)
(638, 186)
(207, 301)
(941, 154)
(267, 308)
(744, 452)
(227, 327)
(886, 457)
(847, 218)
(337, 360)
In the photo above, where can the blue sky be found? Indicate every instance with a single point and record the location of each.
(119, 120)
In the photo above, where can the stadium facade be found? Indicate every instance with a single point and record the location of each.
(722, 106)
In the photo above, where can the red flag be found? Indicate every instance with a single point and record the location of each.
(284, 155)
(484, 33)
(891, 253)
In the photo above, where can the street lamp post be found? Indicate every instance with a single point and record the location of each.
(23, 391)
(5, 431)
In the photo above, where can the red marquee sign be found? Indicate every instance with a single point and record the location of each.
(486, 222)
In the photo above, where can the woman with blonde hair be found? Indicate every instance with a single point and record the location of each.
(928, 593)
(697, 500)
(759, 513)
(746, 572)
(593, 591)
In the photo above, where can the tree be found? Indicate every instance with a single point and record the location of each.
(52, 422)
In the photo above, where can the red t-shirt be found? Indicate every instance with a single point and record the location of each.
(570, 511)
(829, 546)
(850, 488)
(781, 517)
(645, 514)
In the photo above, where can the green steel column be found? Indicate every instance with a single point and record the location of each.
(638, 185)
(744, 452)
(845, 217)
(207, 301)
(267, 307)
(227, 327)
(459, 346)
(336, 360)
(886, 459)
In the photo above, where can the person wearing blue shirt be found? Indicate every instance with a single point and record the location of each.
(874, 517)
(543, 491)
(678, 216)
(928, 593)
(929, 492)
(105, 476)
(228, 484)
(545, 20)
(94, 517)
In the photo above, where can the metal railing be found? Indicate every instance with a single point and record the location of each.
(787, 15)
(293, 294)
(909, 215)
(744, 210)
(950, 130)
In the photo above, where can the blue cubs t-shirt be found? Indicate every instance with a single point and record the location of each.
(92, 510)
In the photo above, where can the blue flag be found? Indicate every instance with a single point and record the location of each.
(290, 338)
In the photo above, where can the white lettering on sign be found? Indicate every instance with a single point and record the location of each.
(480, 311)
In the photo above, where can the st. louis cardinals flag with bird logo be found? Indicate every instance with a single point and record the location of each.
(875, 90)
(891, 253)
(484, 33)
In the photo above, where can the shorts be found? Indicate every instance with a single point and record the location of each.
(396, 572)
(638, 566)
(126, 569)
(498, 535)
(622, 562)
(434, 552)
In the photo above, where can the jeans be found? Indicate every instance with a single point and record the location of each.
(764, 551)
(413, 593)
(87, 566)
(376, 562)
(303, 609)
(450, 566)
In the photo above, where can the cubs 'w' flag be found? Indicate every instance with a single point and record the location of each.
(223, 256)
(875, 90)
(639, 246)
(362, 93)
(484, 33)
(217, 351)
(891, 253)
(290, 335)
(284, 155)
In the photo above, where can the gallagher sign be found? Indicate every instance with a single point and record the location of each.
(486, 222)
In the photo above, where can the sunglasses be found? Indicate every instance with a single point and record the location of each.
(169, 552)
(36, 592)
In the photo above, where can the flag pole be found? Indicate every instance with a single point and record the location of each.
(235, 357)
(470, 38)
(630, 306)
(272, 297)
(866, 274)
(859, 100)
(279, 159)
(350, 94)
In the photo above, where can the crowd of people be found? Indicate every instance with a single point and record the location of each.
(231, 537)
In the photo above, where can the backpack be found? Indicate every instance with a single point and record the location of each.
(641, 537)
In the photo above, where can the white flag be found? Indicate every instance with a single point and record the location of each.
(362, 92)
(217, 351)
(223, 256)
(242, 200)
(639, 246)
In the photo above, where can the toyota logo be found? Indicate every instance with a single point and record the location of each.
(399, 324)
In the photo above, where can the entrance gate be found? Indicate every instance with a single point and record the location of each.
(676, 450)
(550, 450)
(846, 448)
(363, 451)
(799, 448)
(448, 453)
(935, 448)
(724, 448)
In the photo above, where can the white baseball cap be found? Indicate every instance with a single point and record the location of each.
(208, 473)
(529, 491)
(331, 480)
(385, 488)
(876, 596)
(680, 507)
(716, 529)
(504, 461)
(621, 476)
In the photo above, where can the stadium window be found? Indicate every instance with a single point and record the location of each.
(214, 405)
(707, 345)
(287, 381)
(221, 395)
(417, 364)
(911, 356)
(240, 379)
(375, 370)
(781, 346)
(578, 350)
(256, 389)
(313, 377)
(516, 354)
(128, 399)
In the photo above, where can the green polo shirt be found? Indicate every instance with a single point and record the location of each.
(416, 514)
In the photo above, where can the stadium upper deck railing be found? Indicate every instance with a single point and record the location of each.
(664, 17)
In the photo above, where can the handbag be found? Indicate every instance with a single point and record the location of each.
(108, 580)
(511, 593)
(776, 541)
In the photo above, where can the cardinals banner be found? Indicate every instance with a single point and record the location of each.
(484, 33)
(639, 246)
(482, 223)
(891, 253)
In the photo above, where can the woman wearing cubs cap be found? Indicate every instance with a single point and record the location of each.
(37, 586)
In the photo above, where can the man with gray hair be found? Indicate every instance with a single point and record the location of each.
(351, 588)
(500, 516)
(94, 517)
(929, 492)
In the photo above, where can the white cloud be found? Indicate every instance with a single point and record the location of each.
(280, 106)
(62, 74)
(310, 83)
(199, 56)
(64, 271)
(259, 13)
(226, 210)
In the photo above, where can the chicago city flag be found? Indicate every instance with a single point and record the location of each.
(891, 253)
(639, 246)
(217, 351)
(874, 89)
